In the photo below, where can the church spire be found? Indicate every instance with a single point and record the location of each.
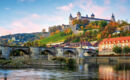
(70, 16)
(113, 18)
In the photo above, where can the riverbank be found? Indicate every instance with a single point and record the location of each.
(37, 63)
(107, 60)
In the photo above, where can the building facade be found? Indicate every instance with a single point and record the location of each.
(106, 46)
(126, 28)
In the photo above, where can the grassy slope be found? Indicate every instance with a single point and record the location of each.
(60, 37)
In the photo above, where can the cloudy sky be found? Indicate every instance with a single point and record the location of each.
(19, 16)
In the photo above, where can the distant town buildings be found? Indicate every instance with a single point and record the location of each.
(44, 30)
(45, 34)
(58, 27)
(126, 28)
(106, 46)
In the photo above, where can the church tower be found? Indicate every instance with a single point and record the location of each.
(78, 15)
(92, 16)
(113, 18)
(70, 19)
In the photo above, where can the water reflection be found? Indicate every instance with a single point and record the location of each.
(83, 72)
(114, 72)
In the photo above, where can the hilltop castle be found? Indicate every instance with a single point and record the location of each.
(91, 18)
(79, 17)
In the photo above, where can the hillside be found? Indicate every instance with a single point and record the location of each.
(59, 37)
(19, 38)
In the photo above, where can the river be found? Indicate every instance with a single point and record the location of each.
(82, 72)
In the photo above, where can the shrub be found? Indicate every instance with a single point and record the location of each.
(117, 49)
(71, 62)
(126, 49)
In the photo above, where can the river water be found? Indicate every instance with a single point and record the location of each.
(82, 72)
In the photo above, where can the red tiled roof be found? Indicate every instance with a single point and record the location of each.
(116, 40)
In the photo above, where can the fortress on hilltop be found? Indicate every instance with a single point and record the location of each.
(91, 18)
(79, 17)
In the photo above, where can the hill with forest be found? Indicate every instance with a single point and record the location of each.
(19, 39)
(92, 31)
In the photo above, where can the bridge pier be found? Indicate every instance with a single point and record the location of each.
(80, 52)
(35, 52)
(59, 52)
(6, 52)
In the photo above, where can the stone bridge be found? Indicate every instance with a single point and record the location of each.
(35, 52)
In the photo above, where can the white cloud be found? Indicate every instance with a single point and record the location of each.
(7, 8)
(66, 7)
(26, 0)
(4, 31)
(107, 1)
(89, 6)
(31, 23)
(92, 7)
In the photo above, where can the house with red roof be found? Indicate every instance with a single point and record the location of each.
(106, 46)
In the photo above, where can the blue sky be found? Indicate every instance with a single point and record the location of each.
(25, 16)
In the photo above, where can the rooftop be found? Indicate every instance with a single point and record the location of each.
(116, 40)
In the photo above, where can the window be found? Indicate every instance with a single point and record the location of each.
(103, 46)
(106, 46)
(109, 46)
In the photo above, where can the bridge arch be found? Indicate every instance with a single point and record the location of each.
(69, 53)
(46, 51)
(19, 52)
(46, 54)
(0, 53)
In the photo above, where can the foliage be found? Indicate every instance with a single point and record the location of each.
(122, 23)
(102, 24)
(126, 49)
(36, 43)
(68, 31)
(57, 31)
(70, 62)
(80, 22)
(117, 49)
(99, 37)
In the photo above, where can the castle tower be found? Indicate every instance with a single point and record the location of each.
(86, 15)
(113, 18)
(92, 16)
(70, 19)
(78, 15)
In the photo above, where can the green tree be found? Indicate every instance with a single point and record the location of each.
(117, 49)
(102, 24)
(126, 49)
